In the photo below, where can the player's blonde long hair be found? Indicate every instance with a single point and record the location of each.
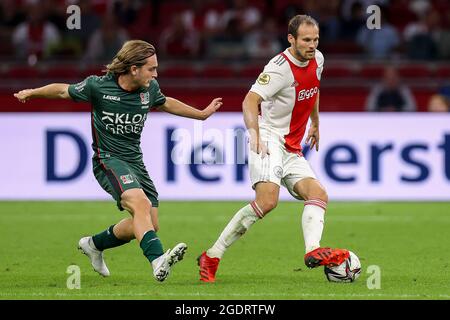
(132, 53)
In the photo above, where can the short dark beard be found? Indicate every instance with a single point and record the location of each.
(302, 58)
(297, 53)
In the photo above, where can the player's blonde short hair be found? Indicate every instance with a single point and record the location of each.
(297, 21)
(132, 53)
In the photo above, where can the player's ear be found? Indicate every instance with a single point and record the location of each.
(291, 39)
(133, 70)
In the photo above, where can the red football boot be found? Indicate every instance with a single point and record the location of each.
(325, 257)
(208, 267)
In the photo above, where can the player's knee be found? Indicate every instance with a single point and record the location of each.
(318, 192)
(144, 204)
(268, 205)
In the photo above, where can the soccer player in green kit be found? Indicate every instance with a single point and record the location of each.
(120, 101)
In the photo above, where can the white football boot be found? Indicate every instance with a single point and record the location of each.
(87, 246)
(161, 265)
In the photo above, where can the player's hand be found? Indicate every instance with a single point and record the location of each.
(23, 95)
(260, 147)
(313, 137)
(212, 107)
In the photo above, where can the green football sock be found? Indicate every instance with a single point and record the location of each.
(151, 245)
(107, 239)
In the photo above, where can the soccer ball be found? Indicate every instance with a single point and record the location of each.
(347, 271)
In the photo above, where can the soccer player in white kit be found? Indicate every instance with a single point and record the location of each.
(288, 92)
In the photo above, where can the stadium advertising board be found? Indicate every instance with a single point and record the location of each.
(361, 157)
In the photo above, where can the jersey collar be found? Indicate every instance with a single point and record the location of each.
(116, 79)
(294, 60)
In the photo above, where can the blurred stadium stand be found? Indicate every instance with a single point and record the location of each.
(348, 77)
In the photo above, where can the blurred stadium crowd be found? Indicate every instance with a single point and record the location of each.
(210, 47)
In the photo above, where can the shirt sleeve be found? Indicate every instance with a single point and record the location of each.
(320, 62)
(82, 91)
(272, 79)
(158, 97)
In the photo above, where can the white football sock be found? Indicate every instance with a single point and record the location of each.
(312, 223)
(237, 226)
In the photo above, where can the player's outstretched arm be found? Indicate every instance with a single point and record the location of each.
(51, 91)
(179, 108)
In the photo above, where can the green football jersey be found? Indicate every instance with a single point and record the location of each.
(118, 116)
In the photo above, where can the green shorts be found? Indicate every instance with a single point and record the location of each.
(116, 176)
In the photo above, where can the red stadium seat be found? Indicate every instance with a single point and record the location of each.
(143, 26)
(400, 15)
(250, 71)
(178, 72)
(343, 47)
(21, 72)
(443, 71)
(346, 99)
(6, 49)
(261, 5)
(414, 71)
(168, 9)
(61, 72)
(337, 72)
(217, 71)
(92, 70)
(372, 71)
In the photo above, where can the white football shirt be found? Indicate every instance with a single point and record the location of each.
(289, 90)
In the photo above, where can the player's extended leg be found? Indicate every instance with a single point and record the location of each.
(116, 235)
(266, 200)
(140, 207)
(316, 200)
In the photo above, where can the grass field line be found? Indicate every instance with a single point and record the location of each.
(236, 295)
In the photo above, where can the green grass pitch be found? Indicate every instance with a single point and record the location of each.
(407, 241)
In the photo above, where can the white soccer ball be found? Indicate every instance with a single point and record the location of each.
(347, 271)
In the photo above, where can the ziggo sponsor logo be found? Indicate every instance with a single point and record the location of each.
(307, 93)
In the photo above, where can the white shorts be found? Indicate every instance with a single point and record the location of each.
(280, 167)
